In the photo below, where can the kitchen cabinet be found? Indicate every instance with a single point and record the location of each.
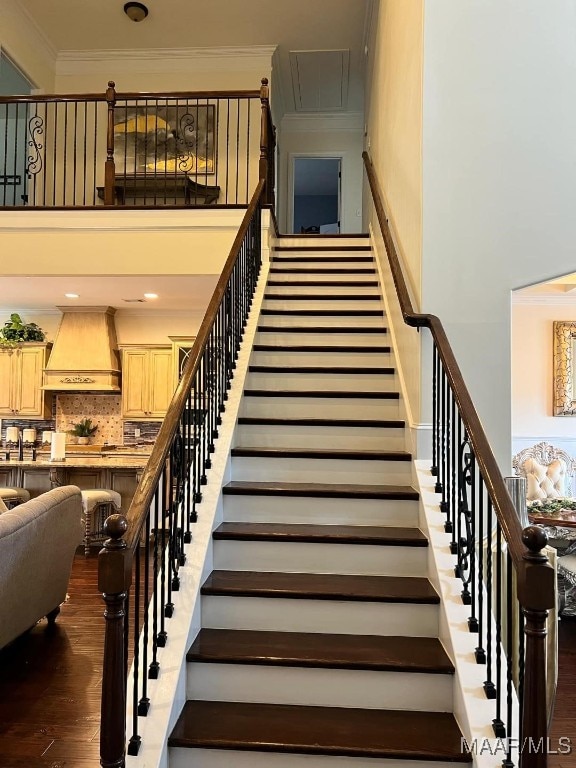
(181, 348)
(147, 382)
(21, 393)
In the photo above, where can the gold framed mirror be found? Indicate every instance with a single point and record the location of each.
(564, 374)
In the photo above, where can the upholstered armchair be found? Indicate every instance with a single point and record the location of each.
(549, 474)
(549, 471)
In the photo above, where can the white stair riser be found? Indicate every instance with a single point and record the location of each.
(363, 382)
(324, 321)
(263, 468)
(313, 241)
(345, 339)
(328, 261)
(291, 275)
(320, 408)
(315, 687)
(310, 557)
(289, 357)
(319, 511)
(287, 436)
(323, 290)
(224, 758)
(270, 614)
(333, 304)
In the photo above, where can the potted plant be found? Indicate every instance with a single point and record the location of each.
(83, 430)
(15, 331)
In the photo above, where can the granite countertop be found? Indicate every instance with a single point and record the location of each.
(94, 460)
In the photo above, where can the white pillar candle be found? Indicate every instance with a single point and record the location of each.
(12, 434)
(46, 437)
(29, 435)
(58, 447)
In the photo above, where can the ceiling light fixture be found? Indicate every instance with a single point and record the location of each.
(136, 11)
(150, 295)
(72, 295)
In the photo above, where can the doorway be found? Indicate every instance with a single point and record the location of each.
(316, 195)
(13, 139)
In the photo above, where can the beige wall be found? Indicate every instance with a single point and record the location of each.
(394, 141)
(532, 375)
(26, 46)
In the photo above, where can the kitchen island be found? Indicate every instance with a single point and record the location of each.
(120, 472)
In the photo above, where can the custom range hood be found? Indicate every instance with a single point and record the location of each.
(84, 356)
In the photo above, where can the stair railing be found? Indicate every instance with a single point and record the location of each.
(498, 562)
(138, 567)
(180, 148)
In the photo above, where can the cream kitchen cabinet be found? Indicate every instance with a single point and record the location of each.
(147, 382)
(21, 369)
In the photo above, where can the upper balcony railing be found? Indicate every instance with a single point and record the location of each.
(136, 149)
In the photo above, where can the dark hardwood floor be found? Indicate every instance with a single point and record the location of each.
(50, 686)
(50, 683)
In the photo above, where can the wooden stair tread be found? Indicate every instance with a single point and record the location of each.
(310, 422)
(320, 490)
(325, 312)
(322, 297)
(312, 258)
(320, 348)
(319, 730)
(323, 271)
(321, 586)
(320, 248)
(330, 534)
(313, 649)
(322, 393)
(313, 236)
(320, 453)
(336, 369)
(324, 283)
(319, 329)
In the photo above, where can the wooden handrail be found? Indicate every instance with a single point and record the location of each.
(138, 510)
(133, 95)
(504, 508)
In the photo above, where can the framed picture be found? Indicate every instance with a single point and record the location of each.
(172, 138)
(564, 362)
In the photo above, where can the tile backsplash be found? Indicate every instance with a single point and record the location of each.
(104, 410)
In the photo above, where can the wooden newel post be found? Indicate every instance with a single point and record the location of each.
(264, 136)
(112, 583)
(536, 597)
(109, 168)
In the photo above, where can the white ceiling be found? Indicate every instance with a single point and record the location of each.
(298, 25)
(181, 293)
(562, 289)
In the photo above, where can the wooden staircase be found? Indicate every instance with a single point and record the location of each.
(319, 642)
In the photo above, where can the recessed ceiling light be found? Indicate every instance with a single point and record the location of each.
(72, 295)
(150, 295)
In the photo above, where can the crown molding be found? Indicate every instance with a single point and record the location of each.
(551, 300)
(29, 24)
(323, 121)
(159, 60)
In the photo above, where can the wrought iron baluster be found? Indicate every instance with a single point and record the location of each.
(489, 686)
(434, 467)
(498, 724)
(480, 653)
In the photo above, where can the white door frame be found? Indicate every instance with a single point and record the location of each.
(292, 157)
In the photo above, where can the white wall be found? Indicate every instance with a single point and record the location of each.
(25, 44)
(394, 142)
(499, 177)
(323, 136)
(532, 376)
